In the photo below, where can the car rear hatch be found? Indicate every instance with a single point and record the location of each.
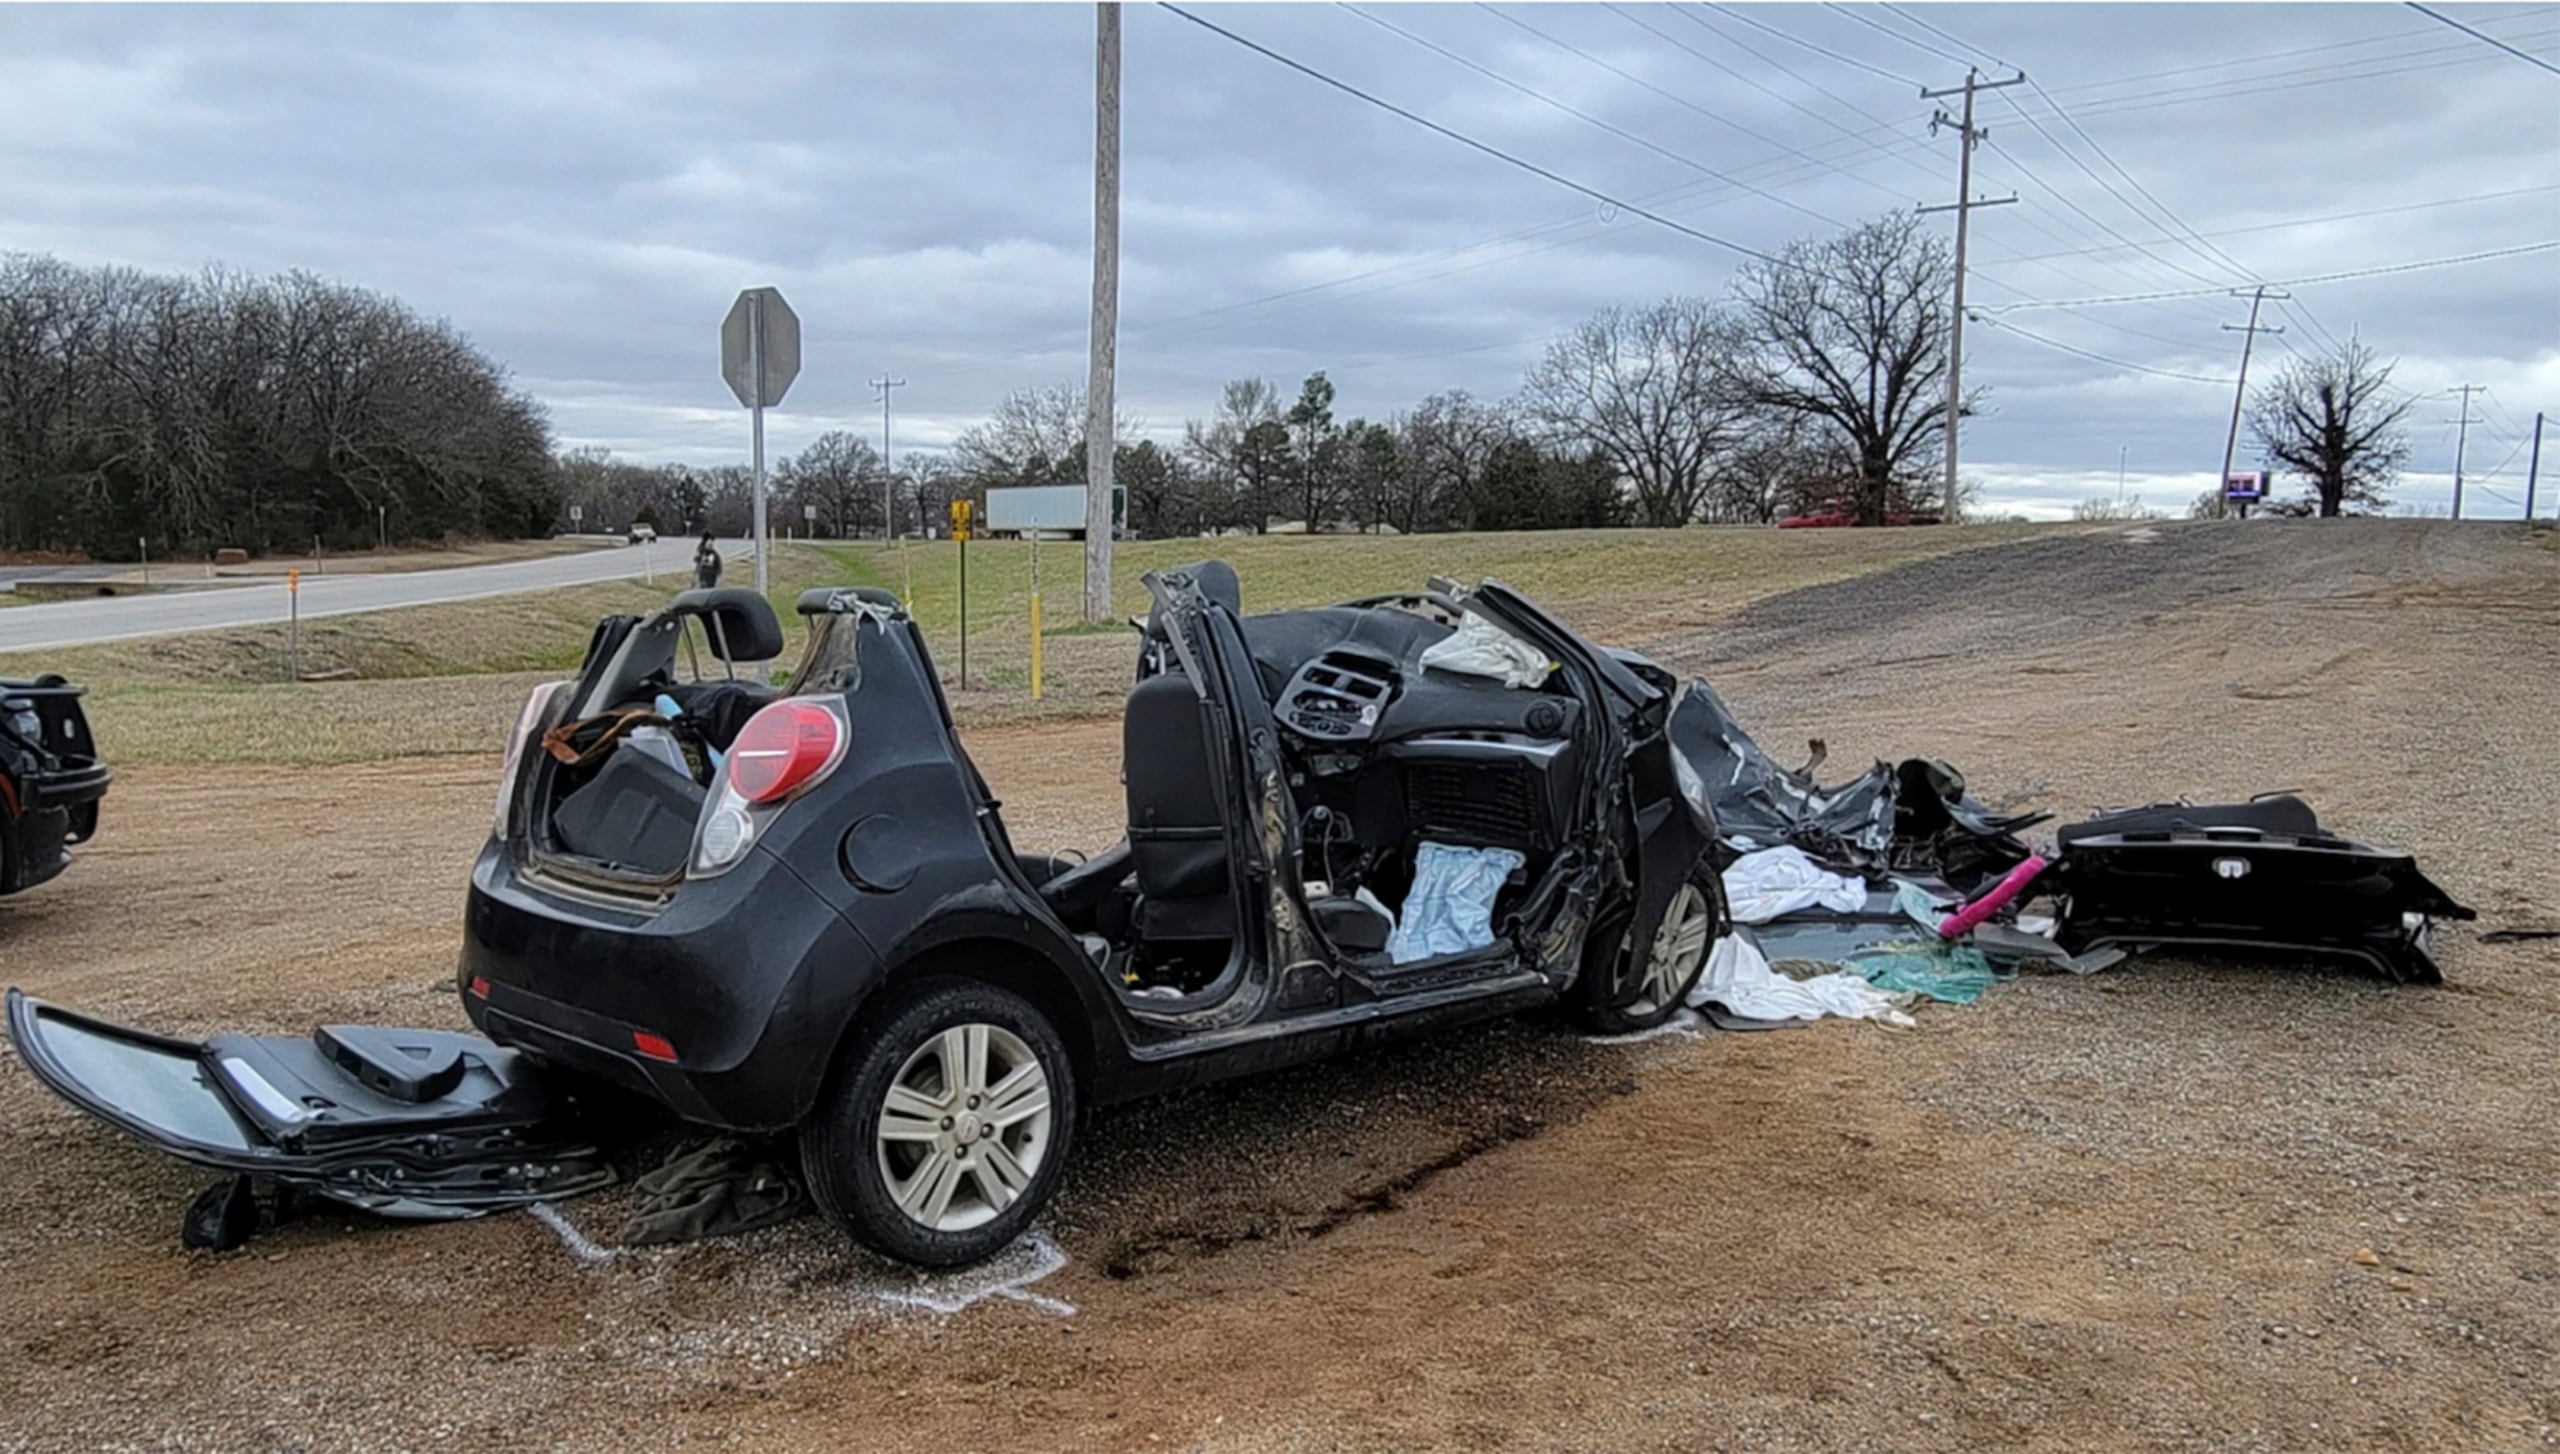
(408, 1123)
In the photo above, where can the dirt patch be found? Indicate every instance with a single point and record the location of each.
(2118, 1212)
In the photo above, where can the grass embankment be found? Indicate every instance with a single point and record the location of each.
(1620, 585)
(428, 679)
(449, 678)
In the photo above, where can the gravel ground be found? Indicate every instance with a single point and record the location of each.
(2179, 1205)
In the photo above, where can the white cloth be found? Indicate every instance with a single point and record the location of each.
(1739, 978)
(1761, 886)
(1480, 648)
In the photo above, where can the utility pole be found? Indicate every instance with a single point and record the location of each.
(888, 477)
(2461, 439)
(1099, 435)
(2533, 470)
(1968, 136)
(2240, 391)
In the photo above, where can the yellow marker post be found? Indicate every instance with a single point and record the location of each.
(960, 533)
(293, 636)
(1035, 615)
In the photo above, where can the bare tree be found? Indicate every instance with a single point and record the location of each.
(1446, 444)
(2332, 421)
(1035, 437)
(1851, 332)
(839, 472)
(1651, 392)
(1238, 456)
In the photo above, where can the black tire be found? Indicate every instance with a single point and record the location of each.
(1614, 996)
(841, 1153)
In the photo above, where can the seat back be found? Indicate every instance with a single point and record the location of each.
(1177, 825)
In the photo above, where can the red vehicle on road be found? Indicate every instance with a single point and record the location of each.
(1832, 514)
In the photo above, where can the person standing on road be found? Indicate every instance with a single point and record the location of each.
(706, 563)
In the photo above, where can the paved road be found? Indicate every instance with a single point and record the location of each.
(73, 623)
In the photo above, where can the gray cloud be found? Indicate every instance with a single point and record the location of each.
(583, 189)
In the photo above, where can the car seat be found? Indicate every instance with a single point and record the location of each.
(1177, 823)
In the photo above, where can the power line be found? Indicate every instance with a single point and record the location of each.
(2093, 219)
(1909, 18)
(2441, 262)
(1580, 115)
(2006, 326)
(2315, 221)
(1881, 29)
(1731, 13)
(1465, 140)
(2526, 56)
(2263, 57)
(1744, 77)
(1867, 140)
(2201, 248)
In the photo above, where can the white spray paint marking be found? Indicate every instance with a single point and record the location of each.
(1685, 1024)
(1008, 1274)
(580, 1245)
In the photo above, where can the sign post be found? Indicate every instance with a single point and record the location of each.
(145, 542)
(960, 533)
(760, 356)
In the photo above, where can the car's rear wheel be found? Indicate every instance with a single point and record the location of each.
(1631, 995)
(946, 1127)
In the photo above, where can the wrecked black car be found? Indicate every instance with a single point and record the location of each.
(50, 780)
(797, 908)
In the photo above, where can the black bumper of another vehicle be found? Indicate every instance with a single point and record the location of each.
(742, 980)
(44, 814)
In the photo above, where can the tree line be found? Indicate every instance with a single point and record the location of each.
(221, 409)
(1821, 380)
(263, 413)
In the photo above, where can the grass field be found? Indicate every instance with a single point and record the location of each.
(448, 678)
(428, 679)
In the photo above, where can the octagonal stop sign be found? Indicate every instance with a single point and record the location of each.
(760, 347)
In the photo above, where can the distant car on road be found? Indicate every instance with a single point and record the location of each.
(50, 780)
(640, 533)
(1836, 514)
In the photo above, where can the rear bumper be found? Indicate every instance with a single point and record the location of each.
(748, 978)
(44, 814)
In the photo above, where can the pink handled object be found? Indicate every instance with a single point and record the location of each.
(1962, 921)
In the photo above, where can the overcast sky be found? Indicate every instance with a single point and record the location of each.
(583, 190)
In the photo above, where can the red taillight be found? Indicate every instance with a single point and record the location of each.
(656, 1047)
(782, 749)
(480, 987)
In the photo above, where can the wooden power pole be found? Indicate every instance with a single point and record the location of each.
(1967, 137)
(2258, 297)
(1099, 436)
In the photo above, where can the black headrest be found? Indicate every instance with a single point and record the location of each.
(740, 623)
(1217, 581)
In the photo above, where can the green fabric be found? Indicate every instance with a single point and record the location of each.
(1954, 974)
(714, 1188)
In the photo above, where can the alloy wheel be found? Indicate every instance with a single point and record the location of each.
(964, 1127)
(1678, 946)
